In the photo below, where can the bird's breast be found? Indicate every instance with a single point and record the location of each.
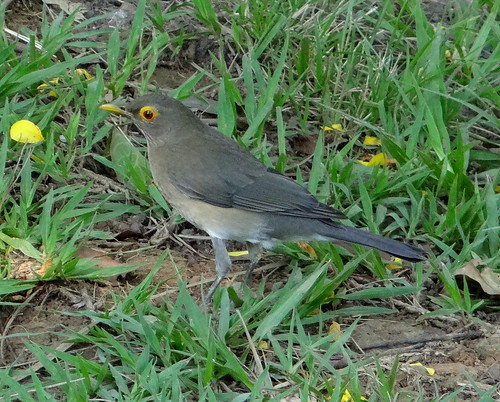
(223, 223)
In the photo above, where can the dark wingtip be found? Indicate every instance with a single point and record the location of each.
(412, 254)
(396, 248)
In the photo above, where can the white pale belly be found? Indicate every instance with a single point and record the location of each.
(223, 223)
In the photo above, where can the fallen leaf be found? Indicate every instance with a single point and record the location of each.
(488, 279)
(69, 7)
(100, 257)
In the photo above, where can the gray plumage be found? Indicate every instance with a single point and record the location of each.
(223, 189)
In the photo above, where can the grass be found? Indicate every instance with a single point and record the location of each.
(428, 91)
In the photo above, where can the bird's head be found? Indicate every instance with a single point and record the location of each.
(157, 116)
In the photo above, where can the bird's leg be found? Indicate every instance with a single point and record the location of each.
(222, 264)
(254, 252)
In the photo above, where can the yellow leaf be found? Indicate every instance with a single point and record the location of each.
(263, 345)
(376, 160)
(84, 73)
(333, 127)
(307, 248)
(497, 189)
(238, 253)
(369, 140)
(396, 263)
(429, 370)
(26, 132)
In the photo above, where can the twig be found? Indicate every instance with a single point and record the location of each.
(259, 368)
(258, 363)
(418, 341)
(339, 361)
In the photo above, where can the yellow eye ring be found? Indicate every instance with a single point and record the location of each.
(148, 114)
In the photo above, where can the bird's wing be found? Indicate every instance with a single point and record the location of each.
(237, 180)
(273, 192)
(270, 192)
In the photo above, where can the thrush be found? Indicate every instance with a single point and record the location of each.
(221, 188)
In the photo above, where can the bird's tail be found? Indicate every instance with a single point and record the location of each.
(335, 230)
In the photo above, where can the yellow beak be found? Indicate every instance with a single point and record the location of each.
(109, 107)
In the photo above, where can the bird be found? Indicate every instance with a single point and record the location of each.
(221, 188)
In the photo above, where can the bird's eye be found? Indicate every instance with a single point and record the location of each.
(148, 113)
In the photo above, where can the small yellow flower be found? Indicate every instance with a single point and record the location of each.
(346, 397)
(42, 88)
(429, 370)
(263, 345)
(26, 132)
(333, 127)
(335, 329)
(396, 263)
(84, 73)
(377, 160)
(369, 140)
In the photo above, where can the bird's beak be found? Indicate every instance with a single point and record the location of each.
(109, 107)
